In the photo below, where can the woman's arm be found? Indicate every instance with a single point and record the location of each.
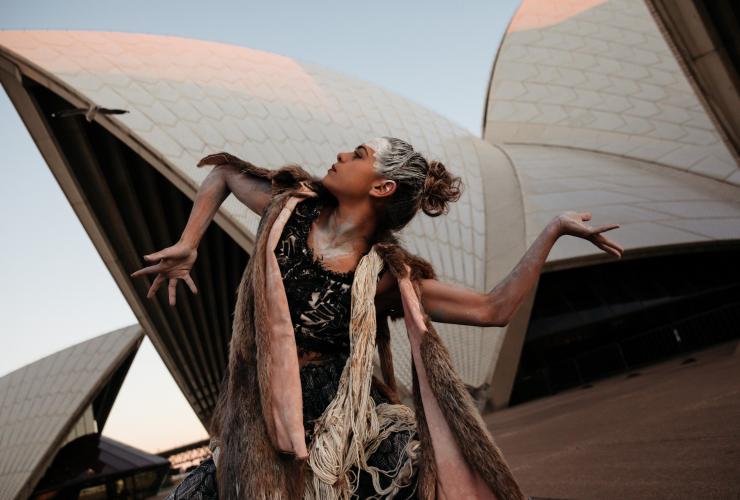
(254, 192)
(447, 303)
(176, 261)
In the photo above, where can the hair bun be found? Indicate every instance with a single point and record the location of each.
(440, 188)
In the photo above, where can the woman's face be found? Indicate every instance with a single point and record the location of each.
(353, 176)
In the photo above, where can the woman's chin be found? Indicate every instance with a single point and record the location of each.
(327, 182)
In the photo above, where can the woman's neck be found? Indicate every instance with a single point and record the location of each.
(352, 221)
(347, 228)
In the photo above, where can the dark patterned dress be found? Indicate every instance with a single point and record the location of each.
(320, 301)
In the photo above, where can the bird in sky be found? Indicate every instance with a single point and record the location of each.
(90, 113)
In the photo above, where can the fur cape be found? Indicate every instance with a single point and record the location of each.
(257, 423)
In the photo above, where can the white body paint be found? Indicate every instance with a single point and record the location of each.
(380, 145)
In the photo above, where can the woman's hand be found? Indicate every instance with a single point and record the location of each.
(571, 223)
(176, 262)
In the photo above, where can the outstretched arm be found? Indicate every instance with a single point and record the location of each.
(177, 260)
(447, 303)
(254, 192)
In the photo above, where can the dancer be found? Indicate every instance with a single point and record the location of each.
(300, 413)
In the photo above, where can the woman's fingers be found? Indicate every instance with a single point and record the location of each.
(612, 243)
(190, 283)
(155, 286)
(157, 255)
(147, 270)
(572, 223)
(605, 228)
(172, 289)
(616, 246)
(608, 245)
(610, 249)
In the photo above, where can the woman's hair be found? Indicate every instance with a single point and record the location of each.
(420, 184)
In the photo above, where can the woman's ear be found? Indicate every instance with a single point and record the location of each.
(382, 188)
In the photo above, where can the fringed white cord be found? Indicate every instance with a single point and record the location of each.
(352, 426)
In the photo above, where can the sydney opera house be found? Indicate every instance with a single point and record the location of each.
(53, 414)
(597, 106)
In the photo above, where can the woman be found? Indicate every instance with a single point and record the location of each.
(364, 198)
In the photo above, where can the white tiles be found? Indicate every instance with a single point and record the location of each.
(654, 205)
(270, 110)
(40, 399)
(599, 76)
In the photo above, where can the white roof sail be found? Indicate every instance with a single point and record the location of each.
(187, 98)
(592, 108)
(599, 76)
(41, 403)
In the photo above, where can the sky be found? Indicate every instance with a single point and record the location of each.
(55, 289)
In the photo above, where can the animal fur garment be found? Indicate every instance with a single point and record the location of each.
(257, 423)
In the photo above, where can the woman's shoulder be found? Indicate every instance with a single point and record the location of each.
(306, 212)
(396, 257)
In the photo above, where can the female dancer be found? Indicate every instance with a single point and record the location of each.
(372, 191)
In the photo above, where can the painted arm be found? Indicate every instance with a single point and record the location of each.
(176, 261)
(447, 303)
(222, 180)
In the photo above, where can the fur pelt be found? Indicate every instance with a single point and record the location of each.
(249, 465)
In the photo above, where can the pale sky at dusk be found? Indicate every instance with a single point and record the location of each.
(56, 290)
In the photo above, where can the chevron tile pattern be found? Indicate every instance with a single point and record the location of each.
(599, 76)
(654, 205)
(38, 401)
(188, 98)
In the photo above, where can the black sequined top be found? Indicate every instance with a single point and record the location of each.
(319, 298)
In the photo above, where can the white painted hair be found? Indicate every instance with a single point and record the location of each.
(420, 184)
(397, 160)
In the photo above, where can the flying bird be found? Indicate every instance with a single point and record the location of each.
(90, 113)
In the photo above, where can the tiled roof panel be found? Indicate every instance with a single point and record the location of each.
(188, 98)
(40, 400)
(598, 75)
